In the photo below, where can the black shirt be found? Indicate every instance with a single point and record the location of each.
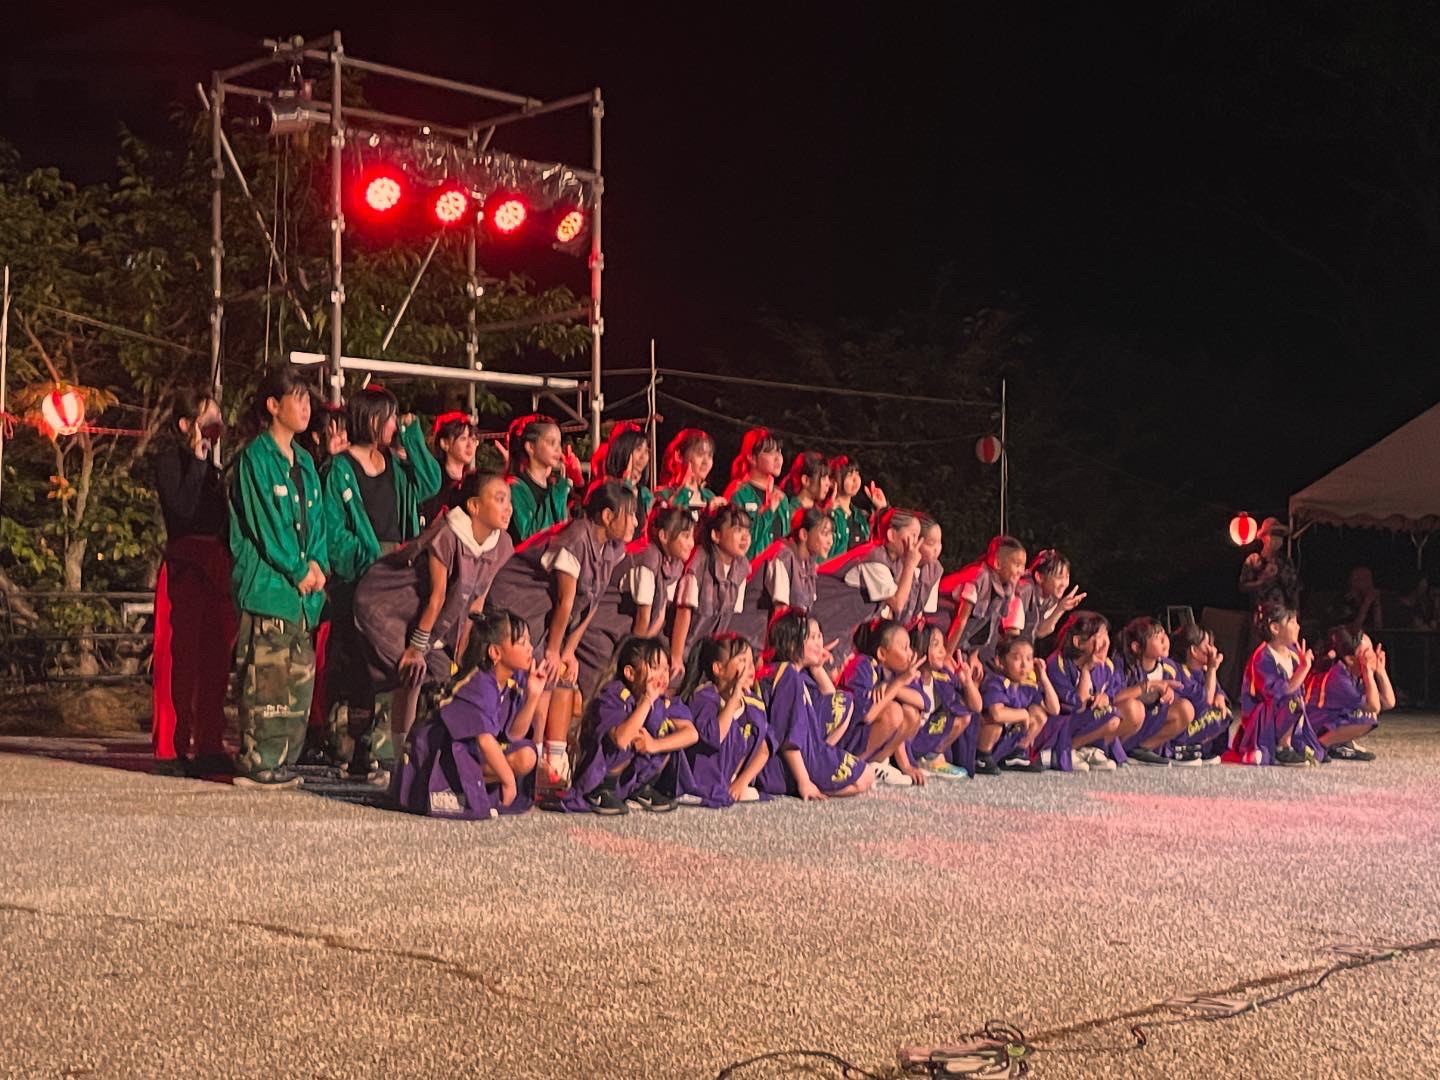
(377, 493)
(192, 493)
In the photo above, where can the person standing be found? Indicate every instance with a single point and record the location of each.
(192, 595)
(1268, 575)
(279, 542)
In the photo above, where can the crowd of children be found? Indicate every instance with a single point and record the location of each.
(590, 645)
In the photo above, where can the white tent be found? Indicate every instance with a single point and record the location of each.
(1395, 484)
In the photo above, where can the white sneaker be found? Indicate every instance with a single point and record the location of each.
(1045, 758)
(1077, 762)
(559, 769)
(1097, 759)
(688, 799)
(749, 794)
(886, 773)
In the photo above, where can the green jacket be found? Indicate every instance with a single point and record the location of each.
(766, 526)
(680, 496)
(271, 552)
(528, 515)
(353, 546)
(851, 530)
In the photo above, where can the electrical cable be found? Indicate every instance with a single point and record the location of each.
(1001, 1049)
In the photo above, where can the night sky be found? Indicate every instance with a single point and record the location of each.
(1237, 192)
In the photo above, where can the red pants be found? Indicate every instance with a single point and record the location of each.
(194, 648)
(320, 701)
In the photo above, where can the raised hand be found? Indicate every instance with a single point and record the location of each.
(1073, 599)
(502, 450)
(541, 672)
(876, 495)
(1380, 658)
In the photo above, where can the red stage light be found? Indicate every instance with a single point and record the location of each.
(508, 215)
(380, 190)
(570, 225)
(449, 204)
(382, 194)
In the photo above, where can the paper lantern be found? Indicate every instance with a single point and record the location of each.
(988, 449)
(1243, 529)
(63, 411)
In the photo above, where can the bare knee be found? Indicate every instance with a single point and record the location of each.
(522, 761)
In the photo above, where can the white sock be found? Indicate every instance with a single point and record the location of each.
(554, 751)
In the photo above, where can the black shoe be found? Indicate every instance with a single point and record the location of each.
(175, 766)
(1347, 751)
(605, 801)
(212, 765)
(1286, 755)
(1147, 757)
(281, 779)
(985, 765)
(647, 798)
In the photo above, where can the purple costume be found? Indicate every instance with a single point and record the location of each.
(1083, 716)
(946, 707)
(999, 690)
(646, 575)
(1269, 710)
(863, 679)
(442, 773)
(525, 585)
(600, 758)
(395, 589)
(1156, 714)
(780, 576)
(800, 717)
(1210, 720)
(1336, 700)
(851, 588)
(707, 768)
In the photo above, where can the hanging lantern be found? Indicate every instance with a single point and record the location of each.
(988, 450)
(1243, 529)
(62, 411)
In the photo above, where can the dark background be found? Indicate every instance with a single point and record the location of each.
(1226, 219)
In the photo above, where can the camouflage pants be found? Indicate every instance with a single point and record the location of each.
(275, 662)
(353, 729)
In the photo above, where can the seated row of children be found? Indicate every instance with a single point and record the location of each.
(924, 674)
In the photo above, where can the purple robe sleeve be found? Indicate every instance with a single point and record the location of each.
(474, 709)
(1066, 679)
(786, 710)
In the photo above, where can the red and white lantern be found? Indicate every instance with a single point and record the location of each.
(988, 450)
(63, 411)
(1243, 529)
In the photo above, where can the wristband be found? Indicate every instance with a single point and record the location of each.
(420, 639)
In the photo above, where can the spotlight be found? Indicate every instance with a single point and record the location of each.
(506, 212)
(381, 190)
(570, 225)
(449, 204)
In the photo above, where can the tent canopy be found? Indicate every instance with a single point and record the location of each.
(1395, 484)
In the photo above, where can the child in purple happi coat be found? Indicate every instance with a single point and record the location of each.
(473, 758)
(807, 715)
(882, 676)
(1019, 701)
(629, 734)
(1273, 726)
(944, 745)
(1152, 678)
(1206, 710)
(1087, 686)
(1350, 687)
(721, 767)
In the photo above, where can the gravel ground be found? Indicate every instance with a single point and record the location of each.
(163, 927)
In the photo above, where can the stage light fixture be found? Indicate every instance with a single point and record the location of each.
(505, 212)
(380, 192)
(449, 205)
(569, 225)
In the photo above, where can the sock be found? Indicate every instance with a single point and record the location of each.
(554, 751)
